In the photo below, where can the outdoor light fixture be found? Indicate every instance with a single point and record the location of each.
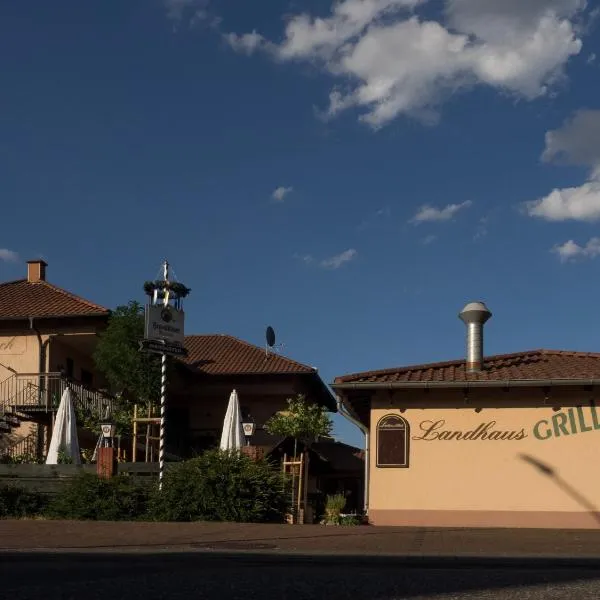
(108, 433)
(249, 428)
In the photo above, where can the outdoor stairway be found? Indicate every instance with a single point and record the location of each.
(34, 397)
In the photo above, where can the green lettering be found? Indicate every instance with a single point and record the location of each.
(536, 431)
(582, 425)
(560, 427)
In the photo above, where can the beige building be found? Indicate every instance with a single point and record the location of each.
(47, 337)
(485, 441)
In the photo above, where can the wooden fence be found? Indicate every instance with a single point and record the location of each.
(48, 479)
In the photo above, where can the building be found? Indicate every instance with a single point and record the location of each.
(484, 441)
(47, 335)
(47, 339)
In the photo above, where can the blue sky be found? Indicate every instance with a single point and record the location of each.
(351, 174)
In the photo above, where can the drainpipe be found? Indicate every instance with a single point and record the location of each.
(346, 414)
(41, 370)
(41, 365)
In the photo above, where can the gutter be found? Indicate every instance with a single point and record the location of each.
(342, 410)
(506, 383)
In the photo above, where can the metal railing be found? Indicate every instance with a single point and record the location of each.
(26, 392)
(26, 447)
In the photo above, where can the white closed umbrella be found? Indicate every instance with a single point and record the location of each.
(233, 432)
(64, 434)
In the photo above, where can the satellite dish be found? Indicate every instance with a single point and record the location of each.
(270, 335)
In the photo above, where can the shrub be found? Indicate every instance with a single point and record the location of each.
(333, 508)
(92, 498)
(221, 486)
(17, 502)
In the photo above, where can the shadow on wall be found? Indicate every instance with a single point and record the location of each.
(564, 485)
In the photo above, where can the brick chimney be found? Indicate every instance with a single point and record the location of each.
(36, 271)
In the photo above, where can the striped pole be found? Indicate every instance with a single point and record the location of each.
(163, 401)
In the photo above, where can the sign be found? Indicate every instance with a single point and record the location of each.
(248, 429)
(164, 323)
(436, 430)
(108, 430)
(13, 345)
(158, 347)
(568, 422)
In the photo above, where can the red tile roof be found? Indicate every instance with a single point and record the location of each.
(22, 299)
(531, 365)
(224, 354)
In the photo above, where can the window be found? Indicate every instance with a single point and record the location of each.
(393, 434)
(87, 378)
(70, 367)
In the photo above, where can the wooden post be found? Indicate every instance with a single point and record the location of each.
(148, 433)
(135, 426)
(300, 479)
(105, 466)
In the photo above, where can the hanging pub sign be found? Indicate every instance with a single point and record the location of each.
(164, 324)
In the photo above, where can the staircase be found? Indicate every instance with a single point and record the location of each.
(34, 397)
(26, 448)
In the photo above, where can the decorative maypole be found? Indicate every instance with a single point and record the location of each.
(164, 335)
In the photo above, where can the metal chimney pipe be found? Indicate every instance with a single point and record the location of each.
(474, 315)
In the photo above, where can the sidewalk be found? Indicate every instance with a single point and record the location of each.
(34, 535)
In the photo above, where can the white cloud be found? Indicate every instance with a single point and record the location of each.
(429, 239)
(572, 251)
(577, 141)
(430, 213)
(246, 43)
(281, 192)
(307, 259)
(8, 255)
(580, 203)
(335, 262)
(191, 10)
(482, 228)
(389, 61)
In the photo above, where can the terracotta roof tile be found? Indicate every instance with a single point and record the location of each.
(224, 354)
(22, 299)
(529, 365)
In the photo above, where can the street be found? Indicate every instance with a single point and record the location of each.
(232, 576)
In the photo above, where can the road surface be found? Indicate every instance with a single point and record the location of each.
(200, 574)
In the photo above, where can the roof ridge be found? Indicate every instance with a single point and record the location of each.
(71, 295)
(458, 362)
(254, 346)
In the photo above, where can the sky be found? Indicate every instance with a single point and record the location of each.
(350, 173)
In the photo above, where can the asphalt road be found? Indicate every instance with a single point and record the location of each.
(232, 576)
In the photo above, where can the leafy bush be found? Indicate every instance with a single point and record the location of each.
(17, 502)
(221, 486)
(333, 507)
(349, 520)
(92, 498)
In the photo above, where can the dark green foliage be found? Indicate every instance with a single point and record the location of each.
(92, 498)
(17, 502)
(303, 421)
(221, 486)
(134, 375)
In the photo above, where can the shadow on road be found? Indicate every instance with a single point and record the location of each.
(232, 575)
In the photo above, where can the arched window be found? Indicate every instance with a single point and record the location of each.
(393, 435)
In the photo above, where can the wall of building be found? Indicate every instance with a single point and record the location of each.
(492, 459)
(19, 352)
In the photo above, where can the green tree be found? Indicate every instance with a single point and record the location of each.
(134, 376)
(303, 421)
